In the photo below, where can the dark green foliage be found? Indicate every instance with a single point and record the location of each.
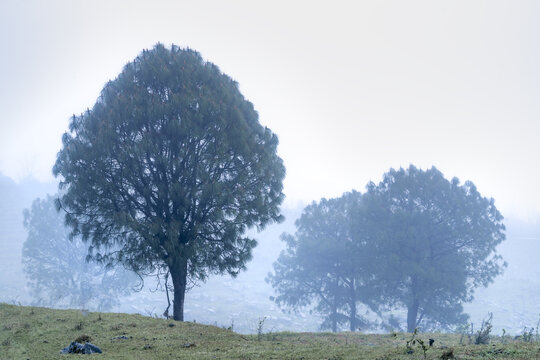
(436, 240)
(171, 167)
(325, 263)
(56, 268)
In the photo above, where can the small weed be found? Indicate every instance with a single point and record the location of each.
(83, 338)
(116, 327)
(151, 313)
(79, 326)
(465, 330)
(26, 326)
(527, 335)
(413, 341)
(530, 334)
(537, 325)
(133, 324)
(15, 302)
(273, 336)
(260, 328)
(482, 336)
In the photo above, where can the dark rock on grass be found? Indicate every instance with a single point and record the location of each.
(78, 348)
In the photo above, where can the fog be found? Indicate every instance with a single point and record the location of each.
(245, 300)
(350, 90)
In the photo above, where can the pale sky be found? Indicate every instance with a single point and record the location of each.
(351, 88)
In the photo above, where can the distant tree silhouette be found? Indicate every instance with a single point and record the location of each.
(325, 264)
(436, 242)
(56, 268)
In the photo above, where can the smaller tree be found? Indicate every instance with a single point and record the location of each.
(435, 241)
(324, 264)
(56, 267)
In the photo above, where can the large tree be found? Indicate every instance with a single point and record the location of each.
(436, 241)
(171, 166)
(56, 267)
(325, 264)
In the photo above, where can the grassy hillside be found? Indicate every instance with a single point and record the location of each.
(40, 333)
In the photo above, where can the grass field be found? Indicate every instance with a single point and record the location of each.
(40, 333)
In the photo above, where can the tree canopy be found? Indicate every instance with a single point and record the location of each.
(56, 268)
(171, 166)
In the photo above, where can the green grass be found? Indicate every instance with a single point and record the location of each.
(40, 333)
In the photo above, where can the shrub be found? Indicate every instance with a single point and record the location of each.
(482, 336)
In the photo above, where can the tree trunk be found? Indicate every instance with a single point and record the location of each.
(352, 315)
(179, 279)
(412, 314)
(334, 316)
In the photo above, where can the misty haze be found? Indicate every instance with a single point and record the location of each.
(292, 175)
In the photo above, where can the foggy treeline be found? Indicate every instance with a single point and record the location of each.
(512, 297)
